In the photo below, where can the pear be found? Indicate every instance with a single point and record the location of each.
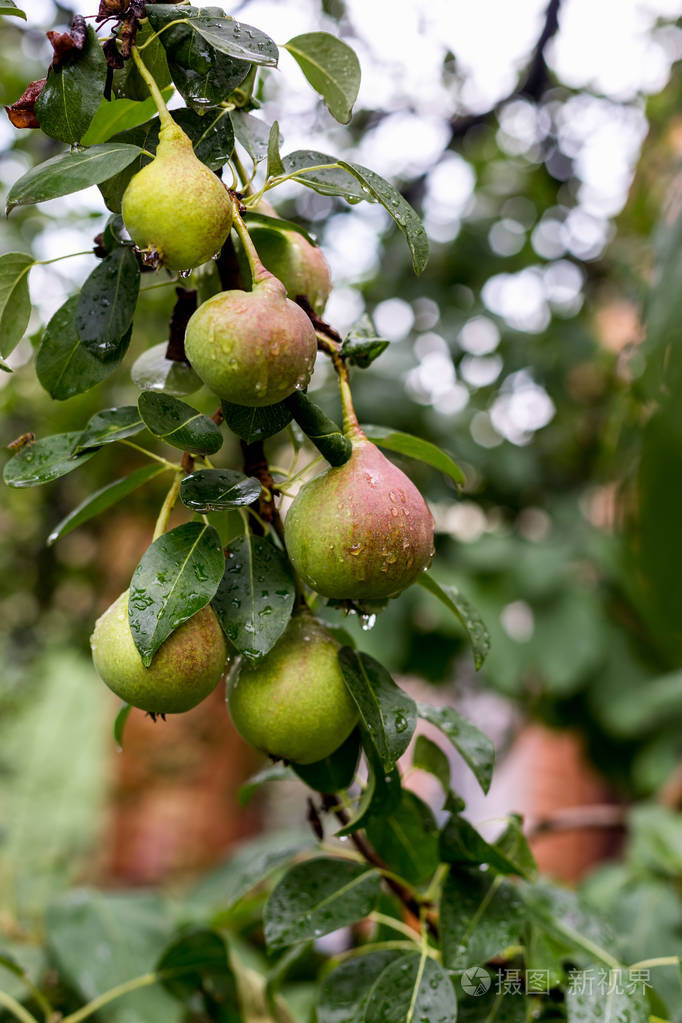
(252, 347)
(176, 205)
(185, 669)
(293, 704)
(361, 531)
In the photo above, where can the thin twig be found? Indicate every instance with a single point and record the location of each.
(577, 818)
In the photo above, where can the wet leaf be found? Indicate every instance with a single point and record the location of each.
(256, 595)
(380, 796)
(179, 424)
(64, 366)
(274, 166)
(620, 999)
(331, 67)
(456, 602)
(253, 134)
(336, 771)
(415, 447)
(317, 897)
(71, 172)
(471, 743)
(361, 345)
(152, 371)
(109, 426)
(344, 992)
(244, 42)
(272, 772)
(325, 434)
(72, 92)
(407, 839)
(252, 424)
(480, 916)
(15, 302)
(461, 843)
(103, 499)
(120, 723)
(216, 489)
(334, 180)
(44, 460)
(414, 987)
(196, 965)
(430, 757)
(107, 301)
(387, 714)
(114, 116)
(176, 577)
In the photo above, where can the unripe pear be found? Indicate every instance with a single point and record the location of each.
(300, 266)
(293, 704)
(185, 669)
(176, 205)
(361, 531)
(252, 347)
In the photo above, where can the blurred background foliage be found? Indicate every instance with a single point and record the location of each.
(544, 157)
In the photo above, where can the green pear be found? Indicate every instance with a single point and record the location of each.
(176, 205)
(185, 669)
(361, 531)
(293, 704)
(252, 347)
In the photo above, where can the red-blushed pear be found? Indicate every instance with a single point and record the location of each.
(361, 531)
(253, 347)
(176, 205)
(300, 266)
(293, 704)
(185, 669)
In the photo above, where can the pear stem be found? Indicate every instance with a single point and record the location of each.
(351, 426)
(167, 506)
(156, 95)
(258, 271)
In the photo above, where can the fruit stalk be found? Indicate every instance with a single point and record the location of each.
(167, 506)
(147, 77)
(258, 271)
(351, 426)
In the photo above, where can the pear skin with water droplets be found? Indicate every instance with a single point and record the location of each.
(293, 704)
(254, 347)
(176, 205)
(184, 671)
(361, 531)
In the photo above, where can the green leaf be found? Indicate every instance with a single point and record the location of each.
(655, 844)
(325, 434)
(235, 39)
(216, 489)
(71, 172)
(617, 1000)
(103, 499)
(388, 714)
(407, 839)
(473, 624)
(415, 447)
(120, 723)
(144, 136)
(203, 76)
(514, 845)
(7, 961)
(256, 595)
(272, 772)
(44, 460)
(367, 186)
(253, 134)
(249, 865)
(480, 916)
(101, 939)
(430, 757)
(332, 181)
(72, 92)
(380, 796)
(413, 988)
(176, 577)
(278, 224)
(152, 371)
(471, 743)
(274, 166)
(461, 843)
(317, 897)
(361, 345)
(114, 116)
(211, 133)
(252, 424)
(15, 302)
(331, 67)
(197, 965)
(64, 366)
(344, 992)
(179, 424)
(109, 426)
(9, 7)
(586, 937)
(106, 303)
(335, 772)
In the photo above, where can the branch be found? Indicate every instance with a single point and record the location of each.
(183, 309)
(256, 464)
(577, 818)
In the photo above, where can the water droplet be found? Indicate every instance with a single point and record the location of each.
(367, 622)
(185, 274)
